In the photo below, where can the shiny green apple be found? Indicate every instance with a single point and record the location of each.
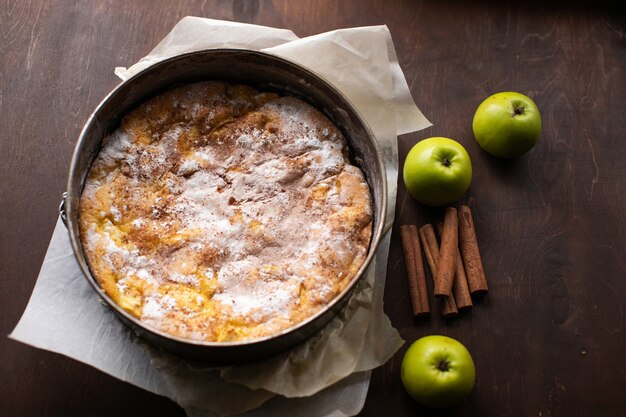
(507, 124)
(437, 371)
(437, 171)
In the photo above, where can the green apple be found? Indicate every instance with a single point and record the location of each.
(437, 171)
(507, 124)
(437, 371)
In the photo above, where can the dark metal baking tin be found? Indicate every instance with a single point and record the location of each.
(267, 73)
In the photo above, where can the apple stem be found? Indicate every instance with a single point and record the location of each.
(444, 366)
(518, 111)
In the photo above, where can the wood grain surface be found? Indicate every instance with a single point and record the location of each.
(548, 340)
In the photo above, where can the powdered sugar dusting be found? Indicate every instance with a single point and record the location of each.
(260, 218)
(155, 308)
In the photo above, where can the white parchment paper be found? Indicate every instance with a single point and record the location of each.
(326, 376)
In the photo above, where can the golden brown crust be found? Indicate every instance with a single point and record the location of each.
(219, 213)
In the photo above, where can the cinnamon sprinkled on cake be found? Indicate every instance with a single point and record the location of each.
(219, 213)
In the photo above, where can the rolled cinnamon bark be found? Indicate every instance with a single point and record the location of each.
(415, 270)
(431, 250)
(468, 243)
(460, 289)
(421, 275)
(448, 307)
(447, 258)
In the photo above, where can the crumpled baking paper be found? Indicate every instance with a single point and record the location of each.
(329, 374)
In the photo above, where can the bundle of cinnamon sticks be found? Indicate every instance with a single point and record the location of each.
(455, 264)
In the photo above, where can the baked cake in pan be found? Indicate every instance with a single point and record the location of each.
(216, 212)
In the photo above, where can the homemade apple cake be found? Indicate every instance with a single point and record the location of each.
(216, 212)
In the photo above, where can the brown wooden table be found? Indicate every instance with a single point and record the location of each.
(549, 339)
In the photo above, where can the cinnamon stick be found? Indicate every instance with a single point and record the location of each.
(421, 275)
(476, 278)
(447, 259)
(415, 270)
(431, 250)
(460, 288)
